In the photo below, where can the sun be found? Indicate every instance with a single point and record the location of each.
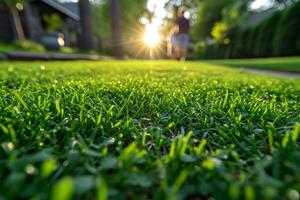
(151, 35)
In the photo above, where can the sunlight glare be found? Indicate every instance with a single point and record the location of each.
(151, 35)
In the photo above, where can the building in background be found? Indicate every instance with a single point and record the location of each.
(43, 21)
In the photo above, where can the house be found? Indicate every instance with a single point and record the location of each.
(36, 18)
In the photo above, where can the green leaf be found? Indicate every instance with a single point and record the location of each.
(109, 163)
(296, 132)
(20, 99)
(249, 193)
(139, 179)
(48, 167)
(57, 106)
(32, 159)
(178, 183)
(105, 143)
(63, 190)
(187, 158)
(285, 140)
(102, 193)
(83, 184)
(201, 146)
(4, 129)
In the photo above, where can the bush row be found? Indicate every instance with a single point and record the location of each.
(278, 35)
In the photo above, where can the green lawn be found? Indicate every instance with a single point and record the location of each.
(146, 130)
(287, 64)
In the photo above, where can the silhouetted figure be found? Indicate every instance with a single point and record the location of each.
(181, 43)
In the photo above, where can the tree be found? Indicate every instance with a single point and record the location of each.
(11, 4)
(117, 47)
(285, 3)
(131, 29)
(87, 34)
(209, 12)
(231, 16)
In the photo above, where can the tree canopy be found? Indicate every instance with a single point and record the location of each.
(131, 11)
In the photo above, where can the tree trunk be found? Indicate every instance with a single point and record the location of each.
(86, 36)
(117, 47)
(18, 24)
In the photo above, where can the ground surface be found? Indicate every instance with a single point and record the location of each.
(146, 130)
(288, 64)
(281, 74)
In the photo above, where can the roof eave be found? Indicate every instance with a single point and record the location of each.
(61, 9)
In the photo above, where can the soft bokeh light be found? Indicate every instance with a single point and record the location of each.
(261, 4)
(157, 7)
(19, 6)
(144, 20)
(151, 35)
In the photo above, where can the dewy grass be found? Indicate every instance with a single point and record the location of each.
(146, 130)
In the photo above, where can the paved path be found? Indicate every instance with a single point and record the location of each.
(23, 55)
(273, 73)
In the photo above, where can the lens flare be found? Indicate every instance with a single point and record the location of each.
(151, 35)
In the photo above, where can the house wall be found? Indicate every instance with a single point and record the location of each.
(7, 33)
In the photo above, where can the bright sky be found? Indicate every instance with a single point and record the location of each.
(157, 7)
(261, 4)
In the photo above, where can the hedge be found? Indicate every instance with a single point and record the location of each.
(287, 32)
(278, 35)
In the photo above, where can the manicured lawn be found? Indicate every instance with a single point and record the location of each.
(288, 64)
(146, 130)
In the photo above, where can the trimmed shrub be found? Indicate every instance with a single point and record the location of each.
(239, 47)
(278, 35)
(298, 45)
(287, 32)
(30, 46)
(266, 34)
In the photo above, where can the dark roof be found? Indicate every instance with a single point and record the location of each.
(71, 6)
(64, 10)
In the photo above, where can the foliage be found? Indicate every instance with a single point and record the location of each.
(69, 50)
(199, 48)
(210, 12)
(101, 26)
(298, 44)
(219, 31)
(11, 3)
(286, 3)
(275, 36)
(22, 45)
(230, 19)
(287, 32)
(27, 45)
(191, 6)
(131, 12)
(53, 22)
(146, 130)
(265, 35)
